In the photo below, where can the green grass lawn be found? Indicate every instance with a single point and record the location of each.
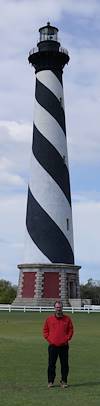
(23, 362)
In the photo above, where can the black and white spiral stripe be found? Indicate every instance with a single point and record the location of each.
(48, 240)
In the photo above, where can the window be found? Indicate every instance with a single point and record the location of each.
(67, 224)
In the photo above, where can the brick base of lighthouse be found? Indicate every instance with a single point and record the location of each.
(42, 284)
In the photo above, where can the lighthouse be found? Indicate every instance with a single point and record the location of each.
(48, 271)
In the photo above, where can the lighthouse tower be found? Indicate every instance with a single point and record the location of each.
(48, 272)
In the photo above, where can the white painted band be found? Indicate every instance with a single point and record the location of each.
(32, 254)
(51, 130)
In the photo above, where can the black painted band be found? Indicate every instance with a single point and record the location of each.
(46, 234)
(58, 74)
(49, 102)
(50, 159)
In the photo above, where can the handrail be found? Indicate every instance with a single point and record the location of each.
(35, 50)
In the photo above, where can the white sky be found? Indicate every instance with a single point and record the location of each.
(79, 31)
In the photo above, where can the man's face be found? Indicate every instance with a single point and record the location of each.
(58, 310)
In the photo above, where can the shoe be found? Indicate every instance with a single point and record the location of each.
(50, 385)
(63, 384)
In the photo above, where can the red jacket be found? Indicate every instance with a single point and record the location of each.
(58, 331)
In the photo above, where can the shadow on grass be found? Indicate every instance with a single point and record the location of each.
(29, 387)
(75, 385)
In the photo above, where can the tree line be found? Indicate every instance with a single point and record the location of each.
(89, 290)
(7, 292)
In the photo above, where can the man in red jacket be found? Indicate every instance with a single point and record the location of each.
(58, 330)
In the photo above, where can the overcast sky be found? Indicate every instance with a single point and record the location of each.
(78, 22)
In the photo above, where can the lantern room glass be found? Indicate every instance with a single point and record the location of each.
(48, 33)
